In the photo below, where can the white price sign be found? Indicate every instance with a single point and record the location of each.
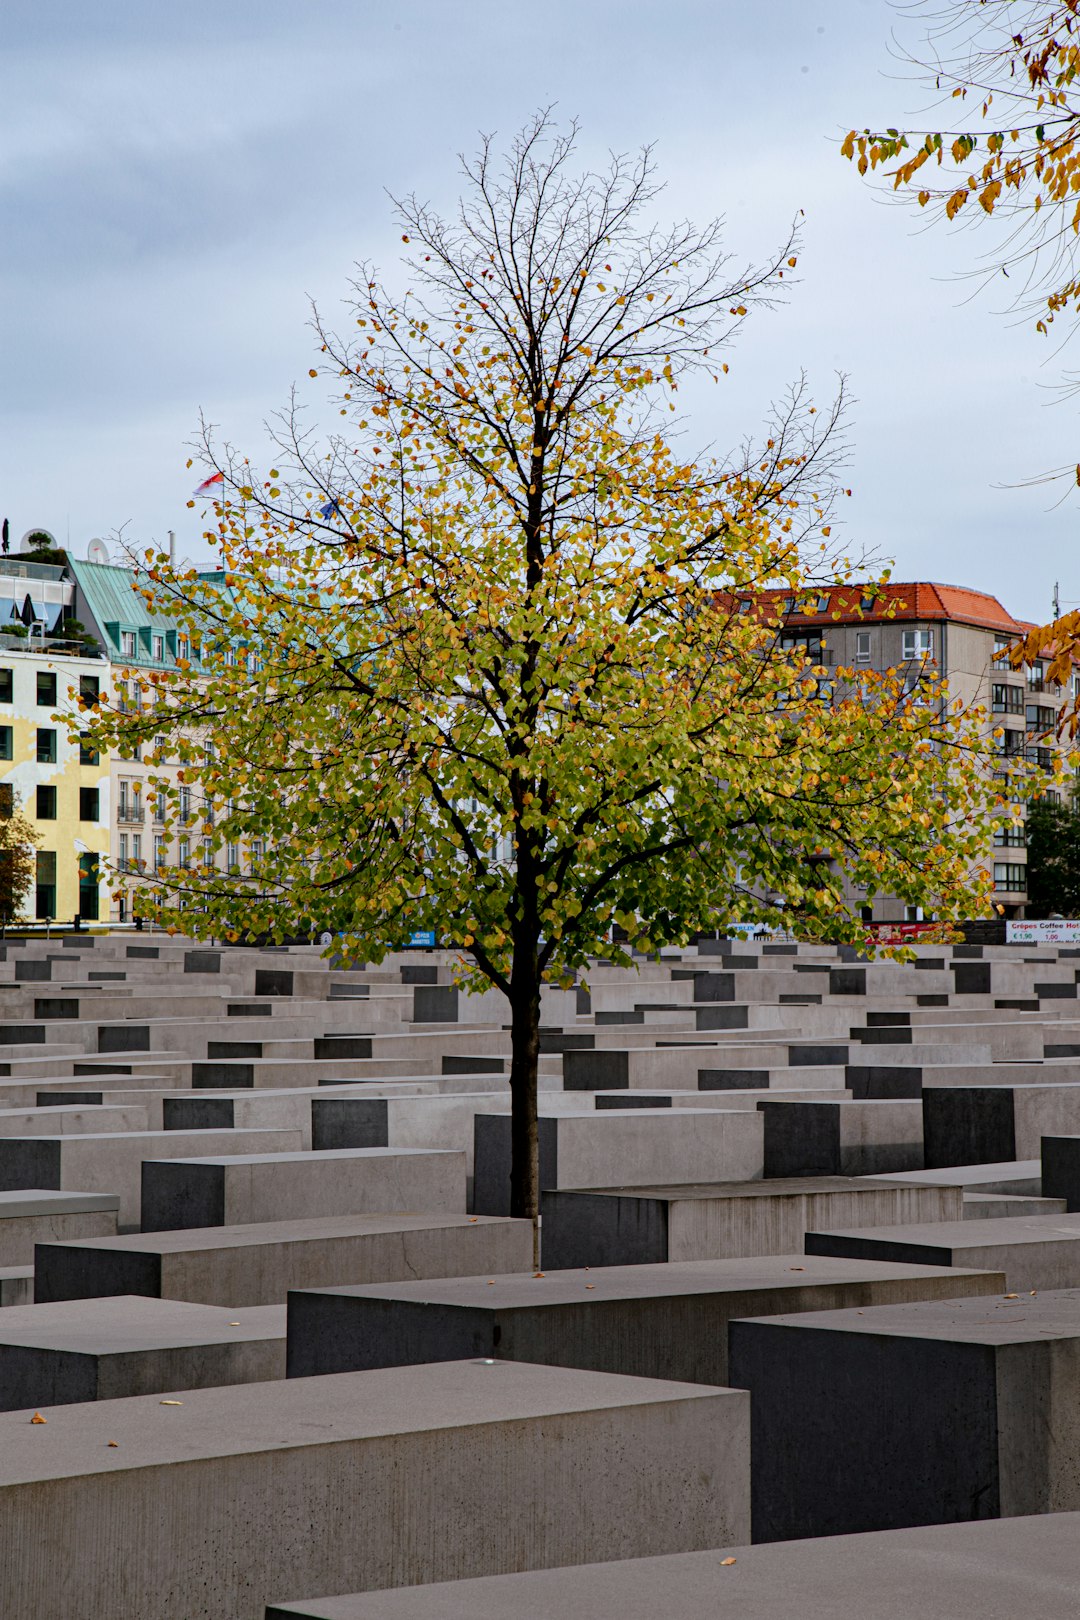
(1060, 931)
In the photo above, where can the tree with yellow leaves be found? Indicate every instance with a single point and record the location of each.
(502, 661)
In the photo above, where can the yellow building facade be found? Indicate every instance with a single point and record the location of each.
(56, 782)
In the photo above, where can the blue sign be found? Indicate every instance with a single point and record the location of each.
(423, 939)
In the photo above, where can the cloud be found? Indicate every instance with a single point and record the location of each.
(175, 181)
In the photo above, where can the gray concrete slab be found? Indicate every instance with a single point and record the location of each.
(896, 1415)
(43, 1215)
(257, 1265)
(214, 1506)
(994, 1206)
(637, 1147)
(104, 1349)
(650, 1225)
(229, 1190)
(660, 1321)
(112, 1163)
(1034, 1251)
(1017, 1176)
(848, 1137)
(975, 1125)
(1000, 1571)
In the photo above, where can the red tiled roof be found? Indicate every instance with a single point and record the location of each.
(919, 599)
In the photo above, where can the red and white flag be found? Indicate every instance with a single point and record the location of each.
(211, 486)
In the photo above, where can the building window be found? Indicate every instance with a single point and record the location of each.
(159, 809)
(256, 852)
(128, 643)
(45, 904)
(7, 801)
(157, 645)
(862, 646)
(136, 850)
(88, 887)
(87, 754)
(122, 858)
(159, 854)
(183, 648)
(89, 688)
(46, 746)
(1011, 744)
(46, 689)
(1010, 837)
(1035, 674)
(185, 852)
(1006, 699)
(918, 643)
(7, 686)
(1002, 643)
(5, 742)
(823, 603)
(1010, 877)
(45, 809)
(1040, 717)
(88, 804)
(185, 804)
(232, 857)
(208, 853)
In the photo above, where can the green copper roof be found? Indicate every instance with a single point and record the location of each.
(108, 602)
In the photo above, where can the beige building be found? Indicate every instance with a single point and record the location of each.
(955, 633)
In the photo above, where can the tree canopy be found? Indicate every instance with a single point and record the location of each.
(1053, 859)
(503, 660)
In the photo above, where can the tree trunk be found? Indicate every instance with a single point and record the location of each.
(524, 1132)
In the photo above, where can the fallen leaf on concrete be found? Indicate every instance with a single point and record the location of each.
(538, 1273)
(232, 1324)
(796, 1268)
(111, 1442)
(164, 1403)
(590, 1285)
(473, 1219)
(1010, 1296)
(727, 1560)
(37, 1418)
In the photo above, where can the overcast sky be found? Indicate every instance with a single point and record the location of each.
(177, 181)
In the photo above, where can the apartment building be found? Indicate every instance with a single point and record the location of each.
(953, 632)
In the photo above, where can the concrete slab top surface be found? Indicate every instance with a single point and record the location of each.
(308, 1157)
(48, 1201)
(1024, 1318)
(520, 1290)
(192, 1239)
(123, 1323)
(996, 1234)
(151, 1431)
(963, 1175)
(988, 1571)
(781, 1187)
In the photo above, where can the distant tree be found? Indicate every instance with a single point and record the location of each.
(1053, 862)
(504, 661)
(18, 841)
